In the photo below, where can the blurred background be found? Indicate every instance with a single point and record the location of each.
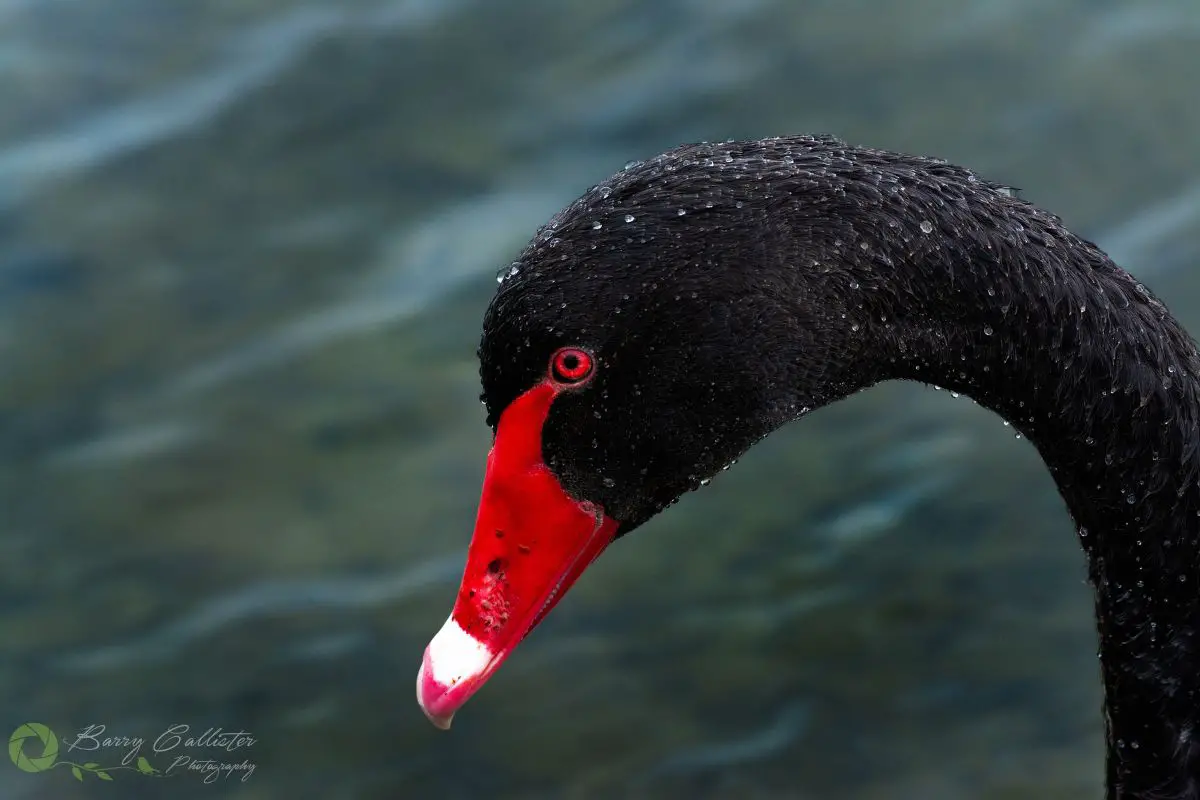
(245, 248)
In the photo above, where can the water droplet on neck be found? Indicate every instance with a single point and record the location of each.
(681, 212)
(597, 225)
(987, 330)
(926, 226)
(629, 217)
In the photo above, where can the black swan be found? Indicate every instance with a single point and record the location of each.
(691, 304)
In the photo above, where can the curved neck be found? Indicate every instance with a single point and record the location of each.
(1042, 328)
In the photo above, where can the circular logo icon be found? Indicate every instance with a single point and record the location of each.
(24, 743)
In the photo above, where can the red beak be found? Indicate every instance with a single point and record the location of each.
(531, 542)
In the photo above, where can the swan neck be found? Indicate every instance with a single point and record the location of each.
(1042, 328)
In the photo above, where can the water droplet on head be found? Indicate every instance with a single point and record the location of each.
(680, 212)
(629, 217)
(987, 330)
(609, 482)
(597, 225)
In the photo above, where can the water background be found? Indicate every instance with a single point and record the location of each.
(245, 247)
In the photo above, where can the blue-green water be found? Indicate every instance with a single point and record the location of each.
(244, 251)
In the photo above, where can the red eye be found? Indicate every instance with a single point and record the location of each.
(571, 365)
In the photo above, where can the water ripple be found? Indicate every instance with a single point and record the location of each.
(1125, 27)
(782, 732)
(1135, 241)
(416, 267)
(247, 63)
(275, 599)
(126, 444)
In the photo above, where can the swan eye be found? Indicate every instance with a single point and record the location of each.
(571, 366)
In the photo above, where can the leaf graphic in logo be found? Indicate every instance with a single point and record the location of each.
(28, 736)
(144, 767)
(104, 776)
(77, 773)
